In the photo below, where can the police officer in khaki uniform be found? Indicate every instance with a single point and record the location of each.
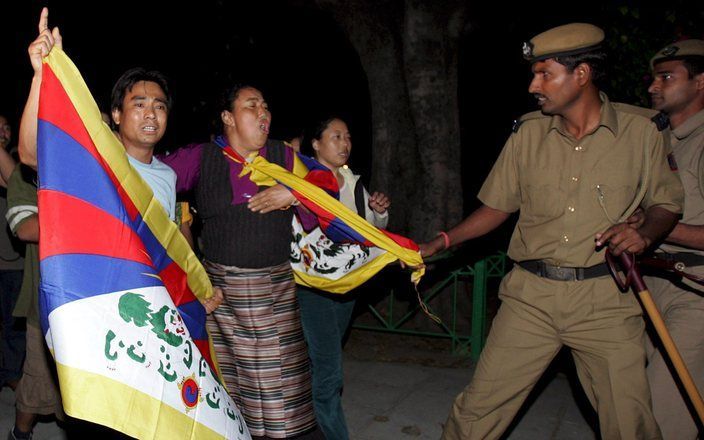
(573, 170)
(678, 91)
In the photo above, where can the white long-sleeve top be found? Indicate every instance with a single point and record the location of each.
(347, 199)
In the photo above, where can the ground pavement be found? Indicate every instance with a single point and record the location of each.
(396, 390)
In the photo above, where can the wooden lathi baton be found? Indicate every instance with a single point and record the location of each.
(634, 279)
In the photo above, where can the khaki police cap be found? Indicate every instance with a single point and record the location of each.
(678, 50)
(568, 39)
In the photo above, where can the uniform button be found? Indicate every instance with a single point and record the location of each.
(578, 148)
(565, 238)
(575, 178)
(570, 208)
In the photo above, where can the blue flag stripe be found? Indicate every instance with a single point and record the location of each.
(87, 180)
(160, 259)
(84, 276)
(339, 231)
(193, 312)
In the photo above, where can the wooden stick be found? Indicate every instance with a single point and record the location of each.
(635, 280)
(672, 352)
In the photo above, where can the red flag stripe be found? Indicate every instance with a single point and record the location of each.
(78, 227)
(204, 348)
(176, 282)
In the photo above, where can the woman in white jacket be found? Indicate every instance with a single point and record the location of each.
(325, 317)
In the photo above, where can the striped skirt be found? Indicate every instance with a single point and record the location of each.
(260, 348)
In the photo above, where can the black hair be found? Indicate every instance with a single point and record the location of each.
(314, 131)
(227, 101)
(230, 95)
(596, 59)
(693, 63)
(131, 77)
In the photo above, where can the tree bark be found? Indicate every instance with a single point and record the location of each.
(409, 51)
(430, 49)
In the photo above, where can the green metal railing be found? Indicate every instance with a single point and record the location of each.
(480, 272)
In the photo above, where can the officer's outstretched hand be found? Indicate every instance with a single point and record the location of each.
(45, 41)
(623, 237)
(431, 247)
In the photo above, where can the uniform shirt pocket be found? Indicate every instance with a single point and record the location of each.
(542, 196)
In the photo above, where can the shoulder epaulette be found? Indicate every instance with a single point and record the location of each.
(516, 125)
(528, 116)
(661, 121)
(634, 109)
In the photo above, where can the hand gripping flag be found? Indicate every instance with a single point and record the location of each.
(345, 251)
(119, 284)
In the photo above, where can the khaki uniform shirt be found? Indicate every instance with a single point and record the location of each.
(557, 182)
(687, 146)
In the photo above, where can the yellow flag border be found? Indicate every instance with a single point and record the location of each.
(87, 401)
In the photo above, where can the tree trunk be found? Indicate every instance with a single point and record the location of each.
(430, 54)
(409, 53)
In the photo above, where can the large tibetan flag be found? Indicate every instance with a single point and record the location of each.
(119, 284)
(345, 250)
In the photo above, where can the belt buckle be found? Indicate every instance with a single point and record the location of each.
(560, 273)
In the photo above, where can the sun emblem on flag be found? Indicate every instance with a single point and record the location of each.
(306, 257)
(190, 393)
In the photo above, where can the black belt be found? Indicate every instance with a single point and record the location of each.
(559, 273)
(687, 258)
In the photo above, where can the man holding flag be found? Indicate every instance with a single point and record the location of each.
(112, 261)
(140, 104)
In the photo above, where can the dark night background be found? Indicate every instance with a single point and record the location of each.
(305, 64)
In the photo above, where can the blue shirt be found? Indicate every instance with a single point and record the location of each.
(161, 179)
